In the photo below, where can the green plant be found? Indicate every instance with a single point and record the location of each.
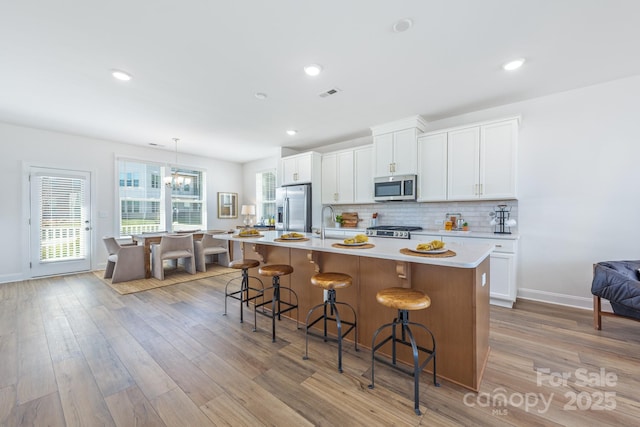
(339, 219)
(465, 224)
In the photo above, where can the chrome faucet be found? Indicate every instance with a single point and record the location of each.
(322, 223)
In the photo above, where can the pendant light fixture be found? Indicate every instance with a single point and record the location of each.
(174, 179)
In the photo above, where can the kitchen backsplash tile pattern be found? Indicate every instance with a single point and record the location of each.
(425, 215)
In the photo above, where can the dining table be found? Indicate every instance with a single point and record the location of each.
(151, 238)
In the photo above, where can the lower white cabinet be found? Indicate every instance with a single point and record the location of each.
(502, 267)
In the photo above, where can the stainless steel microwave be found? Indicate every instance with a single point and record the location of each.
(394, 188)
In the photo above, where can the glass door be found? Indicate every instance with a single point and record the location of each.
(60, 221)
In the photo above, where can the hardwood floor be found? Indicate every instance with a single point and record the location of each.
(75, 353)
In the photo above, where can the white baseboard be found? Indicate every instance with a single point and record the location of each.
(560, 299)
(8, 278)
(501, 302)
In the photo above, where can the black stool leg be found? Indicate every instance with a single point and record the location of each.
(244, 292)
(403, 321)
(275, 301)
(333, 310)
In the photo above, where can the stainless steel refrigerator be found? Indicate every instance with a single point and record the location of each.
(293, 208)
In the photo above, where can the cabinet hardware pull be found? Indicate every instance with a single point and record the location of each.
(498, 246)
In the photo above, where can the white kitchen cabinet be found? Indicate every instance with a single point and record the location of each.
(363, 174)
(396, 153)
(498, 158)
(502, 261)
(395, 146)
(299, 168)
(338, 177)
(347, 176)
(463, 164)
(432, 167)
(481, 161)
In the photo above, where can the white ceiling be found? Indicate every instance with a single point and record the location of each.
(198, 63)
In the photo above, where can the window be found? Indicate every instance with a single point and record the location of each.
(266, 194)
(146, 205)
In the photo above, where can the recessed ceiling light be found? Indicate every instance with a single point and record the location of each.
(121, 75)
(513, 65)
(292, 132)
(260, 95)
(402, 25)
(313, 69)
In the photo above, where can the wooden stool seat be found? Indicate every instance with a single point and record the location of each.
(331, 280)
(275, 270)
(241, 264)
(403, 298)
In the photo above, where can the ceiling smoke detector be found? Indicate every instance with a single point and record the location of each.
(329, 92)
(402, 25)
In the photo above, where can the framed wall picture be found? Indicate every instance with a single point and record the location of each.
(227, 205)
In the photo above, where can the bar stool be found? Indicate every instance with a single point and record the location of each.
(330, 282)
(275, 271)
(243, 297)
(404, 300)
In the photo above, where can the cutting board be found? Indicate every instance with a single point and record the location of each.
(350, 219)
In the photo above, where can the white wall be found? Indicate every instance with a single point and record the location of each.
(578, 185)
(21, 145)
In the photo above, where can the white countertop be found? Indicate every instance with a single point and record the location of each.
(467, 256)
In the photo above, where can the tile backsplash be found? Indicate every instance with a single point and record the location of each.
(425, 215)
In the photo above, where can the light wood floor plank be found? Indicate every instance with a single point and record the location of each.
(130, 407)
(43, 411)
(82, 402)
(176, 409)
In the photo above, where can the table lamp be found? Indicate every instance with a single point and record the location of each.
(248, 211)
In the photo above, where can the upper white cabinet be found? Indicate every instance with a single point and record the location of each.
(299, 168)
(396, 146)
(498, 158)
(463, 156)
(363, 177)
(347, 176)
(432, 167)
(337, 177)
(481, 161)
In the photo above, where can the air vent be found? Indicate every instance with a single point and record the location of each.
(329, 92)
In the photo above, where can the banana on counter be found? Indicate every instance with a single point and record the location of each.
(431, 246)
(358, 238)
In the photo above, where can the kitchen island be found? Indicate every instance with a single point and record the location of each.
(458, 287)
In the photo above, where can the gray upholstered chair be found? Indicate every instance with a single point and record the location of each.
(125, 262)
(173, 248)
(207, 246)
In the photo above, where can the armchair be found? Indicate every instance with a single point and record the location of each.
(125, 262)
(209, 245)
(618, 282)
(173, 248)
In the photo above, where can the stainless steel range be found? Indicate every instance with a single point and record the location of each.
(395, 231)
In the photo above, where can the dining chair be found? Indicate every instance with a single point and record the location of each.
(207, 246)
(173, 248)
(125, 262)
